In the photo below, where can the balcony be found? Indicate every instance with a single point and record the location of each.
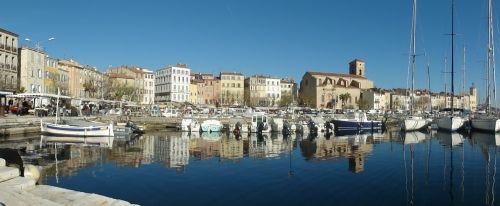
(7, 47)
(7, 66)
(2, 46)
(14, 49)
(1, 65)
(14, 67)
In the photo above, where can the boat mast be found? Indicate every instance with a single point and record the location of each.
(463, 80)
(429, 86)
(413, 55)
(452, 53)
(488, 61)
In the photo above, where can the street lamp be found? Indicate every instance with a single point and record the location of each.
(37, 45)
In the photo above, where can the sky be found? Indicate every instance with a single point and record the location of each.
(281, 38)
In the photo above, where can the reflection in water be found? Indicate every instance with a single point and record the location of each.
(352, 147)
(429, 167)
(488, 144)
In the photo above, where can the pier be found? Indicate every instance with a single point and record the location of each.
(17, 190)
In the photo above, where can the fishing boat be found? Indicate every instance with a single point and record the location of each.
(190, 125)
(451, 122)
(412, 122)
(356, 121)
(211, 125)
(260, 123)
(488, 123)
(72, 130)
(92, 129)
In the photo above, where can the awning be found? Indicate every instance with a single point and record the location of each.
(4, 93)
(36, 95)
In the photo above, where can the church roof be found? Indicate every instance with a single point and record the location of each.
(335, 75)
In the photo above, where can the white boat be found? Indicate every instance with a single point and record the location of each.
(450, 123)
(413, 123)
(211, 125)
(490, 124)
(190, 125)
(260, 123)
(82, 131)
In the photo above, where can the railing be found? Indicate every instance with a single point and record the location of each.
(2, 46)
(7, 66)
(14, 49)
(14, 67)
(7, 47)
(1, 65)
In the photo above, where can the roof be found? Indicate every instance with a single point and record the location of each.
(231, 73)
(335, 74)
(196, 81)
(357, 60)
(9, 32)
(123, 76)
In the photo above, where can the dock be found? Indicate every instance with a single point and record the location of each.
(19, 191)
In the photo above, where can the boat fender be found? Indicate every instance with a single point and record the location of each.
(32, 172)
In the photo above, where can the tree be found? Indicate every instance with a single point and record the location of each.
(344, 97)
(121, 92)
(21, 90)
(286, 100)
(90, 87)
(363, 104)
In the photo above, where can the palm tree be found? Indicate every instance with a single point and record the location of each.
(344, 97)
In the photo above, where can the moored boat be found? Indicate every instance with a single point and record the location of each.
(356, 121)
(71, 130)
(211, 125)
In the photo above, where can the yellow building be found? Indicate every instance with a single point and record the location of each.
(232, 88)
(334, 90)
(195, 91)
(55, 77)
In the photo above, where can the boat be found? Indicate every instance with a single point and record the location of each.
(451, 122)
(412, 123)
(211, 125)
(488, 122)
(71, 130)
(356, 121)
(260, 124)
(190, 125)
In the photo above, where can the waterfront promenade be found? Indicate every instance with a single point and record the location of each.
(16, 190)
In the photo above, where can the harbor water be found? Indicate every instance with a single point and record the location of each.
(172, 168)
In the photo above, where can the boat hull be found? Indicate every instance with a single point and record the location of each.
(490, 125)
(67, 130)
(211, 126)
(414, 124)
(355, 125)
(450, 123)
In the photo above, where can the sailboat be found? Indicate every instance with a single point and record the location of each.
(451, 122)
(488, 123)
(93, 130)
(412, 122)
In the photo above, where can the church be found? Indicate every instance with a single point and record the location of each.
(328, 90)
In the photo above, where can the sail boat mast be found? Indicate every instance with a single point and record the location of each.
(452, 52)
(488, 61)
(413, 55)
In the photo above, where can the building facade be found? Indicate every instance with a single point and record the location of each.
(32, 70)
(255, 91)
(55, 78)
(133, 84)
(288, 91)
(334, 90)
(172, 84)
(9, 62)
(232, 88)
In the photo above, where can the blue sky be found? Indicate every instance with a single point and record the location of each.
(282, 38)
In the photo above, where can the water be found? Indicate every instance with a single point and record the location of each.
(380, 169)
